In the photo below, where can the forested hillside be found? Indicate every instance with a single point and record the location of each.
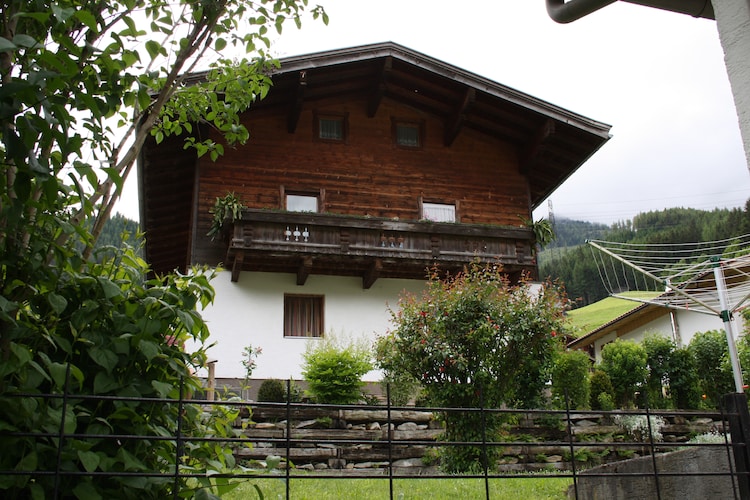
(118, 230)
(570, 260)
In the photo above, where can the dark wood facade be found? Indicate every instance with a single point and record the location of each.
(489, 150)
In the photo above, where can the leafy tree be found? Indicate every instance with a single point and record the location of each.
(83, 86)
(625, 362)
(570, 374)
(470, 340)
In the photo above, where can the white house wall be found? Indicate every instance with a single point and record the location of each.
(689, 323)
(251, 311)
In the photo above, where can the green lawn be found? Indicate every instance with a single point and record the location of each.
(585, 319)
(527, 488)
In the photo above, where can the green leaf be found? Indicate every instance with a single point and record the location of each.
(89, 460)
(104, 358)
(149, 349)
(84, 490)
(22, 353)
(153, 48)
(59, 372)
(57, 302)
(220, 44)
(62, 14)
(205, 494)
(22, 40)
(87, 18)
(162, 388)
(110, 289)
(104, 382)
(6, 45)
(28, 462)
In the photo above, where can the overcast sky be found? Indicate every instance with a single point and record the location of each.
(657, 77)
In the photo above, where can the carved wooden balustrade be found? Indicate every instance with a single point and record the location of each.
(344, 245)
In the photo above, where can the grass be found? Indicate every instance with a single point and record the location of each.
(537, 487)
(585, 319)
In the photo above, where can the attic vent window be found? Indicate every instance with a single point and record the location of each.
(330, 128)
(408, 134)
(439, 212)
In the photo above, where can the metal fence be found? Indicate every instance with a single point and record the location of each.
(732, 450)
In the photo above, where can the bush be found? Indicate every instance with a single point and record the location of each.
(570, 373)
(334, 372)
(602, 392)
(684, 383)
(272, 391)
(659, 351)
(401, 387)
(474, 340)
(626, 364)
(710, 351)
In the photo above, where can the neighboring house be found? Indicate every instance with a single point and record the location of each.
(674, 316)
(366, 166)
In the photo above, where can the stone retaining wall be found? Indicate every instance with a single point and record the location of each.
(358, 440)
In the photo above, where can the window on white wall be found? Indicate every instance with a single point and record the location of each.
(303, 315)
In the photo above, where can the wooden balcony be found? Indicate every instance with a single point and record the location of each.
(343, 245)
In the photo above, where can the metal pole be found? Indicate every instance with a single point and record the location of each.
(726, 317)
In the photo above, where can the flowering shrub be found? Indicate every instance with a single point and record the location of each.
(474, 340)
(637, 426)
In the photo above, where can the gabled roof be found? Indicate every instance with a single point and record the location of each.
(551, 141)
(624, 323)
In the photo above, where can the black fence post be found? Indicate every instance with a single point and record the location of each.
(571, 440)
(739, 427)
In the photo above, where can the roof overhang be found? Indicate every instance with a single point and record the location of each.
(552, 142)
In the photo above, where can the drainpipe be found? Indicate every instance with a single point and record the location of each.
(562, 12)
(566, 12)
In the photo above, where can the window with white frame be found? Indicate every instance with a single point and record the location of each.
(302, 203)
(439, 212)
(303, 315)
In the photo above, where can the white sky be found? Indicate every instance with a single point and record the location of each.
(657, 77)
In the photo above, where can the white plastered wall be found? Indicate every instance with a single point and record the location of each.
(251, 311)
(689, 322)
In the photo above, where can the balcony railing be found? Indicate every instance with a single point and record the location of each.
(310, 243)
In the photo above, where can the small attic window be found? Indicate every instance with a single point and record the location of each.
(330, 128)
(407, 134)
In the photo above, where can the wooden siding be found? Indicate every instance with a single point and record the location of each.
(367, 174)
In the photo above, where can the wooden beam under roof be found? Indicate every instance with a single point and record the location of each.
(541, 136)
(455, 122)
(295, 108)
(381, 83)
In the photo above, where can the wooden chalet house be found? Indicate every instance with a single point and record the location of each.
(366, 166)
